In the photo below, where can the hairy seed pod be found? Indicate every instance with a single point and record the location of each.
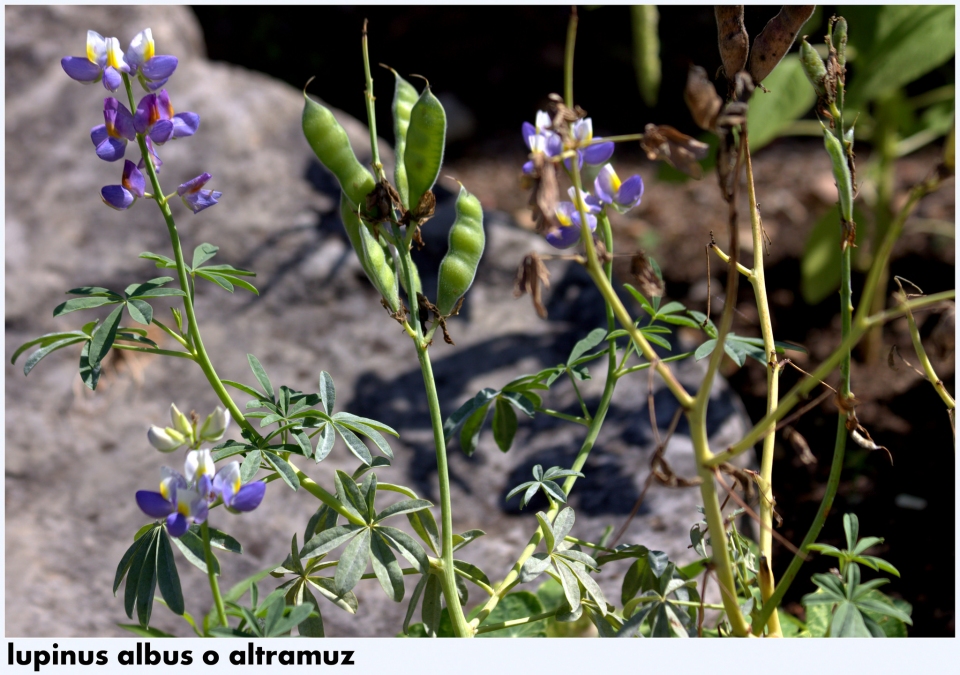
(459, 266)
(813, 66)
(404, 98)
(732, 38)
(841, 173)
(423, 154)
(839, 40)
(373, 259)
(776, 39)
(332, 146)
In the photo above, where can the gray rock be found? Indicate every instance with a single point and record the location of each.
(74, 459)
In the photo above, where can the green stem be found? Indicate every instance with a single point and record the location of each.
(371, 114)
(568, 58)
(925, 363)
(214, 586)
(564, 416)
(448, 578)
(757, 280)
(202, 359)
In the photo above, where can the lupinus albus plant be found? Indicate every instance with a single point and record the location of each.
(383, 219)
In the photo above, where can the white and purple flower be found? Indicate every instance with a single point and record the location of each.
(195, 197)
(152, 70)
(567, 231)
(104, 60)
(622, 195)
(590, 150)
(122, 197)
(540, 139)
(185, 499)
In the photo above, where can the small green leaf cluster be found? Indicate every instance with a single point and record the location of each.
(845, 606)
(224, 276)
(544, 481)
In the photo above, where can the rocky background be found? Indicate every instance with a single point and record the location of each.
(74, 459)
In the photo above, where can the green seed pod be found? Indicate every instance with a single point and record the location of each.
(459, 266)
(813, 66)
(332, 147)
(841, 173)
(372, 257)
(423, 154)
(404, 98)
(775, 40)
(839, 40)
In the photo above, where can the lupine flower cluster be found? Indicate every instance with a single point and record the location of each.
(154, 119)
(185, 498)
(579, 148)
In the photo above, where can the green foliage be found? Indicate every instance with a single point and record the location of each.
(147, 563)
(543, 481)
(224, 276)
(788, 98)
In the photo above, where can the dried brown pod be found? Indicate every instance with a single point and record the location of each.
(776, 38)
(650, 284)
(545, 193)
(702, 98)
(680, 151)
(732, 38)
(531, 273)
(799, 444)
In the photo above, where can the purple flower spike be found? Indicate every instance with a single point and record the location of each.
(104, 60)
(111, 138)
(622, 195)
(122, 197)
(194, 197)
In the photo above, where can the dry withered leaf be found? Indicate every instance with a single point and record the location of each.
(799, 443)
(649, 283)
(702, 98)
(732, 38)
(545, 193)
(531, 273)
(680, 151)
(776, 39)
(379, 203)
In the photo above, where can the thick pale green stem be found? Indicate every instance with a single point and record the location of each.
(757, 280)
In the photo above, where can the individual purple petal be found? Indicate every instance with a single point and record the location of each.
(132, 179)
(563, 237)
(117, 197)
(153, 504)
(153, 86)
(81, 69)
(108, 149)
(116, 115)
(554, 144)
(248, 497)
(528, 167)
(162, 132)
(159, 67)
(185, 124)
(528, 131)
(177, 524)
(112, 78)
(598, 153)
(146, 114)
(631, 190)
(582, 130)
(568, 162)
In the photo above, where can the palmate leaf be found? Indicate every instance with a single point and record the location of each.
(353, 562)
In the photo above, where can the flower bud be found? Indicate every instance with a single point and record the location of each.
(813, 66)
(180, 421)
(165, 440)
(215, 425)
